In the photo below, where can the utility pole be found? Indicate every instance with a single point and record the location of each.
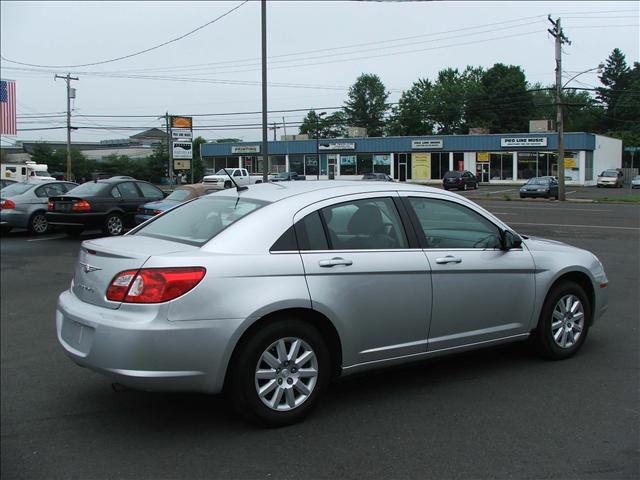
(560, 40)
(265, 140)
(274, 128)
(68, 79)
(169, 150)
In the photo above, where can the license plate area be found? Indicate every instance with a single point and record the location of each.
(62, 207)
(77, 335)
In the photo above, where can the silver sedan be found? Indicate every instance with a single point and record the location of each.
(272, 291)
(23, 205)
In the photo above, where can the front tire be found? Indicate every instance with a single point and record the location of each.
(279, 372)
(564, 321)
(38, 224)
(113, 225)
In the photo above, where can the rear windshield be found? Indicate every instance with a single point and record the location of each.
(89, 188)
(452, 174)
(609, 174)
(179, 195)
(16, 189)
(197, 222)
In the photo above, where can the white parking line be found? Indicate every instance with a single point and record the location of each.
(500, 191)
(553, 207)
(569, 193)
(576, 226)
(46, 238)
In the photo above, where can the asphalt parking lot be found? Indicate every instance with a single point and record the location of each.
(499, 413)
(573, 193)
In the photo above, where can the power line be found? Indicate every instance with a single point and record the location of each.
(136, 53)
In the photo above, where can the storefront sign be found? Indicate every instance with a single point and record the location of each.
(570, 163)
(181, 134)
(246, 149)
(182, 151)
(425, 144)
(182, 164)
(523, 142)
(421, 166)
(181, 122)
(336, 146)
(482, 157)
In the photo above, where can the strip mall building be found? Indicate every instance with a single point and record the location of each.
(497, 158)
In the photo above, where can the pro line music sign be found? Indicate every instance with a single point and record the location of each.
(182, 140)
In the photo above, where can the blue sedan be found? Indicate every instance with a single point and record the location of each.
(180, 195)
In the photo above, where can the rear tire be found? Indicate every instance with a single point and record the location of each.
(38, 224)
(290, 388)
(113, 225)
(564, 321)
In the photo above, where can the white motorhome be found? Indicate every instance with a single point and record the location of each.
(29, 172)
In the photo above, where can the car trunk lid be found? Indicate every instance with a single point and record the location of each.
(102, 259)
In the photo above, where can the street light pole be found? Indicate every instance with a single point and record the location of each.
(265, 140)
(318, 143)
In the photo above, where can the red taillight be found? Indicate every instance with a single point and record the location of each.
(153, 285)
(7, 205)
(50, 205)
(157, 212)
(81, 206)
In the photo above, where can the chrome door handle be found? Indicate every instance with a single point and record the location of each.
(448, 259)
(335, 261)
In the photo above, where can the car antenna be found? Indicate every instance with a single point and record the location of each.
(238, 187)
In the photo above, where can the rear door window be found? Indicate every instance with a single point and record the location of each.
(128, 190)
(149, 191)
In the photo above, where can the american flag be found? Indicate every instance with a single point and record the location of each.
(8, 107)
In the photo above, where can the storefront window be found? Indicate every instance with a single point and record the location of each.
(501, 166)
(225, 162)
(277, 163)
(458, 160)
(347, 164)
(527, 165)
(588, 166)
(311, 164)
(296, 164)
(364, 163)
(439, 164)
(382, 164)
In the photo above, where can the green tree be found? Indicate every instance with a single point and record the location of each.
(157, 163)
(413, 114)
(367, 104)
(198, 167)
(615, 78)
(581, 111)
(42, 153)
(502, 102)
(452, 92)
(331, 126)
(81, 166)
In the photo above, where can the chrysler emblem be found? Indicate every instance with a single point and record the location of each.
(89, 268)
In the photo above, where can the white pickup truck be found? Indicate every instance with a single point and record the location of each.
(240, 176)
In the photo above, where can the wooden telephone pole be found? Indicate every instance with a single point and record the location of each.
(68, 79)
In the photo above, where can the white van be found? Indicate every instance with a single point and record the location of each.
(29, 172)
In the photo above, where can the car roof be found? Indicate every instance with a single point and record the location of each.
(274, 192)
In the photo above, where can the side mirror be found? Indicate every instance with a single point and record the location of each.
(510, 240)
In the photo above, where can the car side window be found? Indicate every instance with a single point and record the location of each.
(128, 190)
(287, 242)
(310, 233)
(447, 224)
(364, 225)
(237, 173)
(51, 190)
(149, 191)
(115, 193)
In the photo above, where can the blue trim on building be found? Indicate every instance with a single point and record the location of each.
(451, 143)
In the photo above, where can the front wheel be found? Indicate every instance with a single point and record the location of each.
(279, 373)
(113, 225)
(564, 321)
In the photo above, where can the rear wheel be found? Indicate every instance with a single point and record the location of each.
(564, 321)
(38, 223)
(113, 225)
(279, 372)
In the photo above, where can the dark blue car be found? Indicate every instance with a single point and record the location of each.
(179, 195)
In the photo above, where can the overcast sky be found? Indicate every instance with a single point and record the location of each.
(316, 51)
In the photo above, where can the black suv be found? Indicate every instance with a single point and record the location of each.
(109, 204)
(460, 180)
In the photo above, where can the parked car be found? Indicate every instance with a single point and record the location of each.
(287, 176)
(24, 205)
(181, 194)
(635, 182)
(240, 176)
(610, 178)
(109, 204)
(460, 180)
(536, 187)
(272, 291)
(377, 177)
(4, 182)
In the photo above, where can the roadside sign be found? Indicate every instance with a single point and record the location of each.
(181, 134)
(182, 164)
(182, 151)
(181, 122)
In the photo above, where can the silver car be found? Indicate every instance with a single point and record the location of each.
(23, 205)
(272, 291)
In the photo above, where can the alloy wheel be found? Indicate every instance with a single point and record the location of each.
(39, 223)
(567, 321)
(286, 374)
(114, 225)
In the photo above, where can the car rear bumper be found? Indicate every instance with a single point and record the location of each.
(13, 218)
(536, 194)
(76, 219)
(140, 349)
(142, 218)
